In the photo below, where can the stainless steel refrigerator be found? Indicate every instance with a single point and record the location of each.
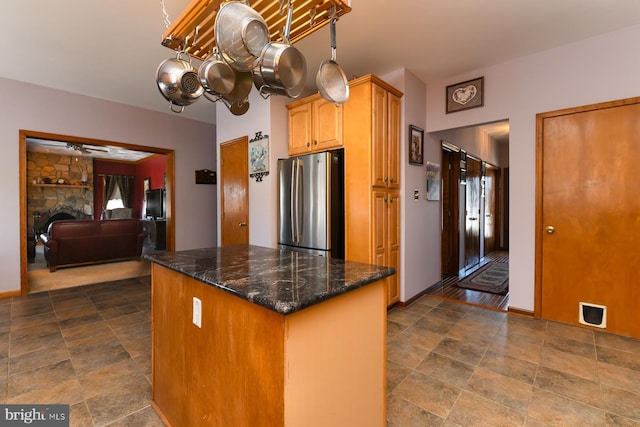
(311, 203)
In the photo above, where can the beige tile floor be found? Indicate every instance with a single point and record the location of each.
(88, 346)
(448, 364)
(452, 364)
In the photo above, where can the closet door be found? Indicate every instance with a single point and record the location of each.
(588, 209)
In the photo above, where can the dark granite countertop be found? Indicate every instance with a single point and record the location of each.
(280, 280)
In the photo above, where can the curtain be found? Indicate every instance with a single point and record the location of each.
(110, 183)
(124, 183)
(109, 186)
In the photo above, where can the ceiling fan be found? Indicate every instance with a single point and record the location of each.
(86, 150)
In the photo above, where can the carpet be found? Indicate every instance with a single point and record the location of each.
(492, 277)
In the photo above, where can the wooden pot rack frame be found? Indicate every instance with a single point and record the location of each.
(200, 15)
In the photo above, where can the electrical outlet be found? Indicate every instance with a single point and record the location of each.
(197, 312)
(416, 194)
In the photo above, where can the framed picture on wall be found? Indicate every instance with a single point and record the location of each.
(465, 95)
(416, 145)
(259, 157)
(433, 181)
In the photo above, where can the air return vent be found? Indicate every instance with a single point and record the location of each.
(593, 315)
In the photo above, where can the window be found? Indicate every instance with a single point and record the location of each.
(115, 201)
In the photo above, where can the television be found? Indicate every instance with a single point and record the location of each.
(155, 203)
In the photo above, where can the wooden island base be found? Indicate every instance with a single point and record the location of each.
(251, 366)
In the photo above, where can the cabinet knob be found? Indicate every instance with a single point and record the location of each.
(315, 142)
(242, 224)
(391, 199)
(391, 180)
(308, 144)
(386, 179)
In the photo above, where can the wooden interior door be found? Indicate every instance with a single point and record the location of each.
(588, 213)
(234, 200)
(472, 213)
(450, 233)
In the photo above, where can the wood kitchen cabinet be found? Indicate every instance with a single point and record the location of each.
(385, 138)
(386, 237)
(372, 176)
(315, 124)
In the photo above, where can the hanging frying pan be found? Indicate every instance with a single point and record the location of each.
(331, 81)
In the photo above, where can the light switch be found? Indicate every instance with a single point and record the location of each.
(197, 312)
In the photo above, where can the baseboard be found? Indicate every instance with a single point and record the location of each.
(520, 312)
(10, 294)
(405, 304)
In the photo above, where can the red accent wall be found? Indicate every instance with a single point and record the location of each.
(154, 168)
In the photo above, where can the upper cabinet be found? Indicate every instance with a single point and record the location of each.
(385, 138)
(315, 124)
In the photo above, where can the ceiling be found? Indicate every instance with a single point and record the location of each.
(110, 49)
(106, 152)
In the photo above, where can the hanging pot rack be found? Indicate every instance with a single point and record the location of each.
(193, 30)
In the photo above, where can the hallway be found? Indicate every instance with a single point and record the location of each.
(447, 289)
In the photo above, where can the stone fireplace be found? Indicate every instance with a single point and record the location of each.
(58, 183)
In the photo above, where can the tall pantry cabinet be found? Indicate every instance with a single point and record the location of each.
(372, 176)
(367, 126)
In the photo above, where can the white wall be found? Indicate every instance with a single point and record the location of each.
(269, 117)
(420, 223)
(36, 108)
(594, 70)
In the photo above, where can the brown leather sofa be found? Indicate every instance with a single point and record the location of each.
(77, 242)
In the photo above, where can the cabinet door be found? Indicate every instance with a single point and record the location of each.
(379, 137)
(393, 141)
(327, 125)
(379, 228)
(300, 129)
(393, 247)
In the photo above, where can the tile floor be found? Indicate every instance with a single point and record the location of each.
(448, 363)
(453, 364)
(88, 346)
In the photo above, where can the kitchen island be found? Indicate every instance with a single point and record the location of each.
(275, 338)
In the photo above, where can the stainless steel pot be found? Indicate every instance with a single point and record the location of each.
(281, 65)
(178, 82)
(216, 75)
(266, 90)
(331, 81)
(240, 33)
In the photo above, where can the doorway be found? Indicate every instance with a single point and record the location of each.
(88, 146)
(587, 208)
(234, 198)
(474, 213)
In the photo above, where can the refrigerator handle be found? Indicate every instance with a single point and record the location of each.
(299, 198)
(293, 203)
